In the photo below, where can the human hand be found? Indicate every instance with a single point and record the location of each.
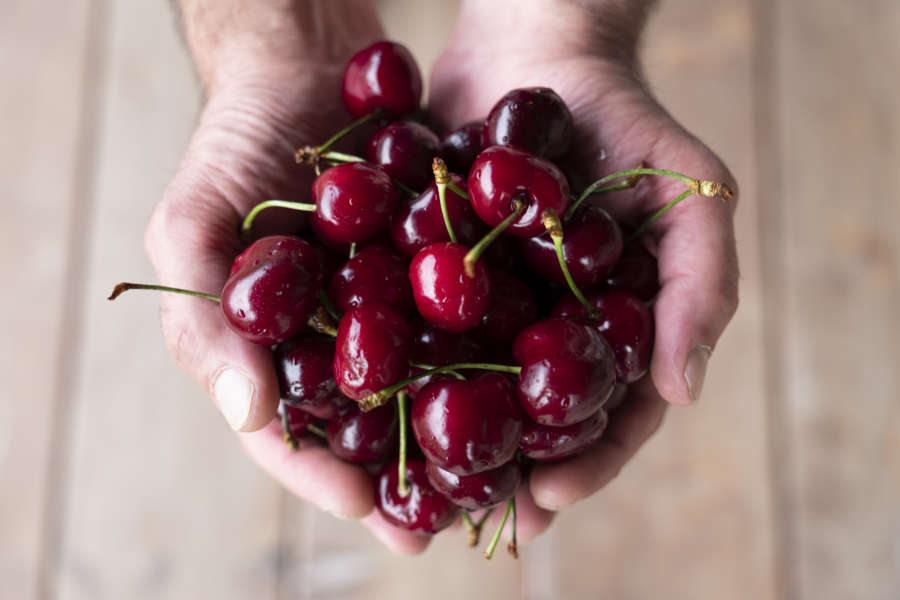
(586, 53)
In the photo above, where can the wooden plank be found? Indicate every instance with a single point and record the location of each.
(162, 502)
(691, 516)
(46, 79)
(840, 146)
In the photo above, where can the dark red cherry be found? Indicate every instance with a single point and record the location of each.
(620, 393)
(383, 75)
(592, 243)
(513, 308)
(460, 146)
(376, 275)
(354, 201)
(372, 350)
(297, 420)
(434, 346)
(636, 272)
(468, 426)
(502, 174)
(554, 443)
(272, 289)
(405, 149)
(558, 391)
(534, 119)
(303, 367)
(566, 338)
(480, 490)
(423, 509)
(420, 223)
(626, 323)
(362, 437)
(445, 295)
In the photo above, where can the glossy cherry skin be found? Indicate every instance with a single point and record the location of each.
(592, 243)
(376, 275)
(361, 437)
(619, 395)
(424, 509)
(480, 490)
(555, 443)
(460, 146)
(445, 295)
(372, 350)
(434, 346)
(534, 119)
(558, 391)
(469, 426)
(513, 308)
(566, 338)
(626, 323)
(383, 75)
(297, 420)
(354, 201)
(421, 223)
(636, 272)
(303, 367)
(405, 150)
(501, 174)
(272, 289)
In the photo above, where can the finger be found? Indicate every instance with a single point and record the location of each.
(558, 485)
(312, 473)
(399, 541)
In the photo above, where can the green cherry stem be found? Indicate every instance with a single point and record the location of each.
(478, 249)
(316, 430)
(402, 485)
(653, 218)
(457, 190)
(340, 134)
(554, 227)
(248, 220)
(441, 179)
(513, 546)
(125, 286)
(496, 539)
(352, 249)
(321, 322)
(341, 157)
(472, 531)
(379, 398)
(287, 437)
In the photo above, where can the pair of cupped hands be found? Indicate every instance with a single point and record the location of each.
(260, 110)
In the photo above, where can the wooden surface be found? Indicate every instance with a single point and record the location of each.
(118, 479)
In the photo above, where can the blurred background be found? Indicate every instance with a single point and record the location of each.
(118, 479)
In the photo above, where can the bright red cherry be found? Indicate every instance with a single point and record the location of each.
(272, 289)
(592, 244)
(554, 443)
(445, 295)
(566, 338)
(372, 350)
(470, 426)
(354, 201)
(405, 149)
(502, 174)
(625, 322)
(480, 490)
(362, 437)
(534, 119)
(383, 75)
(376, 275)
(513, 308)
(303, 367)
(460, 146)
(423, 509)
(636, 272)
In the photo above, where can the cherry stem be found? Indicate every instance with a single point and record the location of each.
(125, 286)
(424, 366)
(288, 437)
(478, 249)
(352, 249)
(496, 539)
(248, 220)
(360, 121)
(513, 547)
(402, 485)
(320, 321)
(554, 227)
(457, 190)
(441, 179)
(379, 398)
(472, 531)
(341, 157)
(655, 216)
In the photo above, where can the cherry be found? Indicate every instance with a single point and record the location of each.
(405, 150)
(372, 350)
(376, 275)
(566, 338)
(460, 146)
(501, 174)
(513, 308)
(481, 490)
(297, 419)
(303, 367)
(272, 289)
(534, 119)
(382, 76)
(468, 426)
(620, 393)
(445, 294)
(422, 509)
(434, 346)
(636, 272)
(354, 201)
(625, 322)
(591, 246)
(420, 223)
(554, 443)
(362, 437)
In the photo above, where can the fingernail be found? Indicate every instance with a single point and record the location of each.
(695, 370)
(233, 392)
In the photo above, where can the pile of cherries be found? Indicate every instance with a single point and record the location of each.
(508, 314)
